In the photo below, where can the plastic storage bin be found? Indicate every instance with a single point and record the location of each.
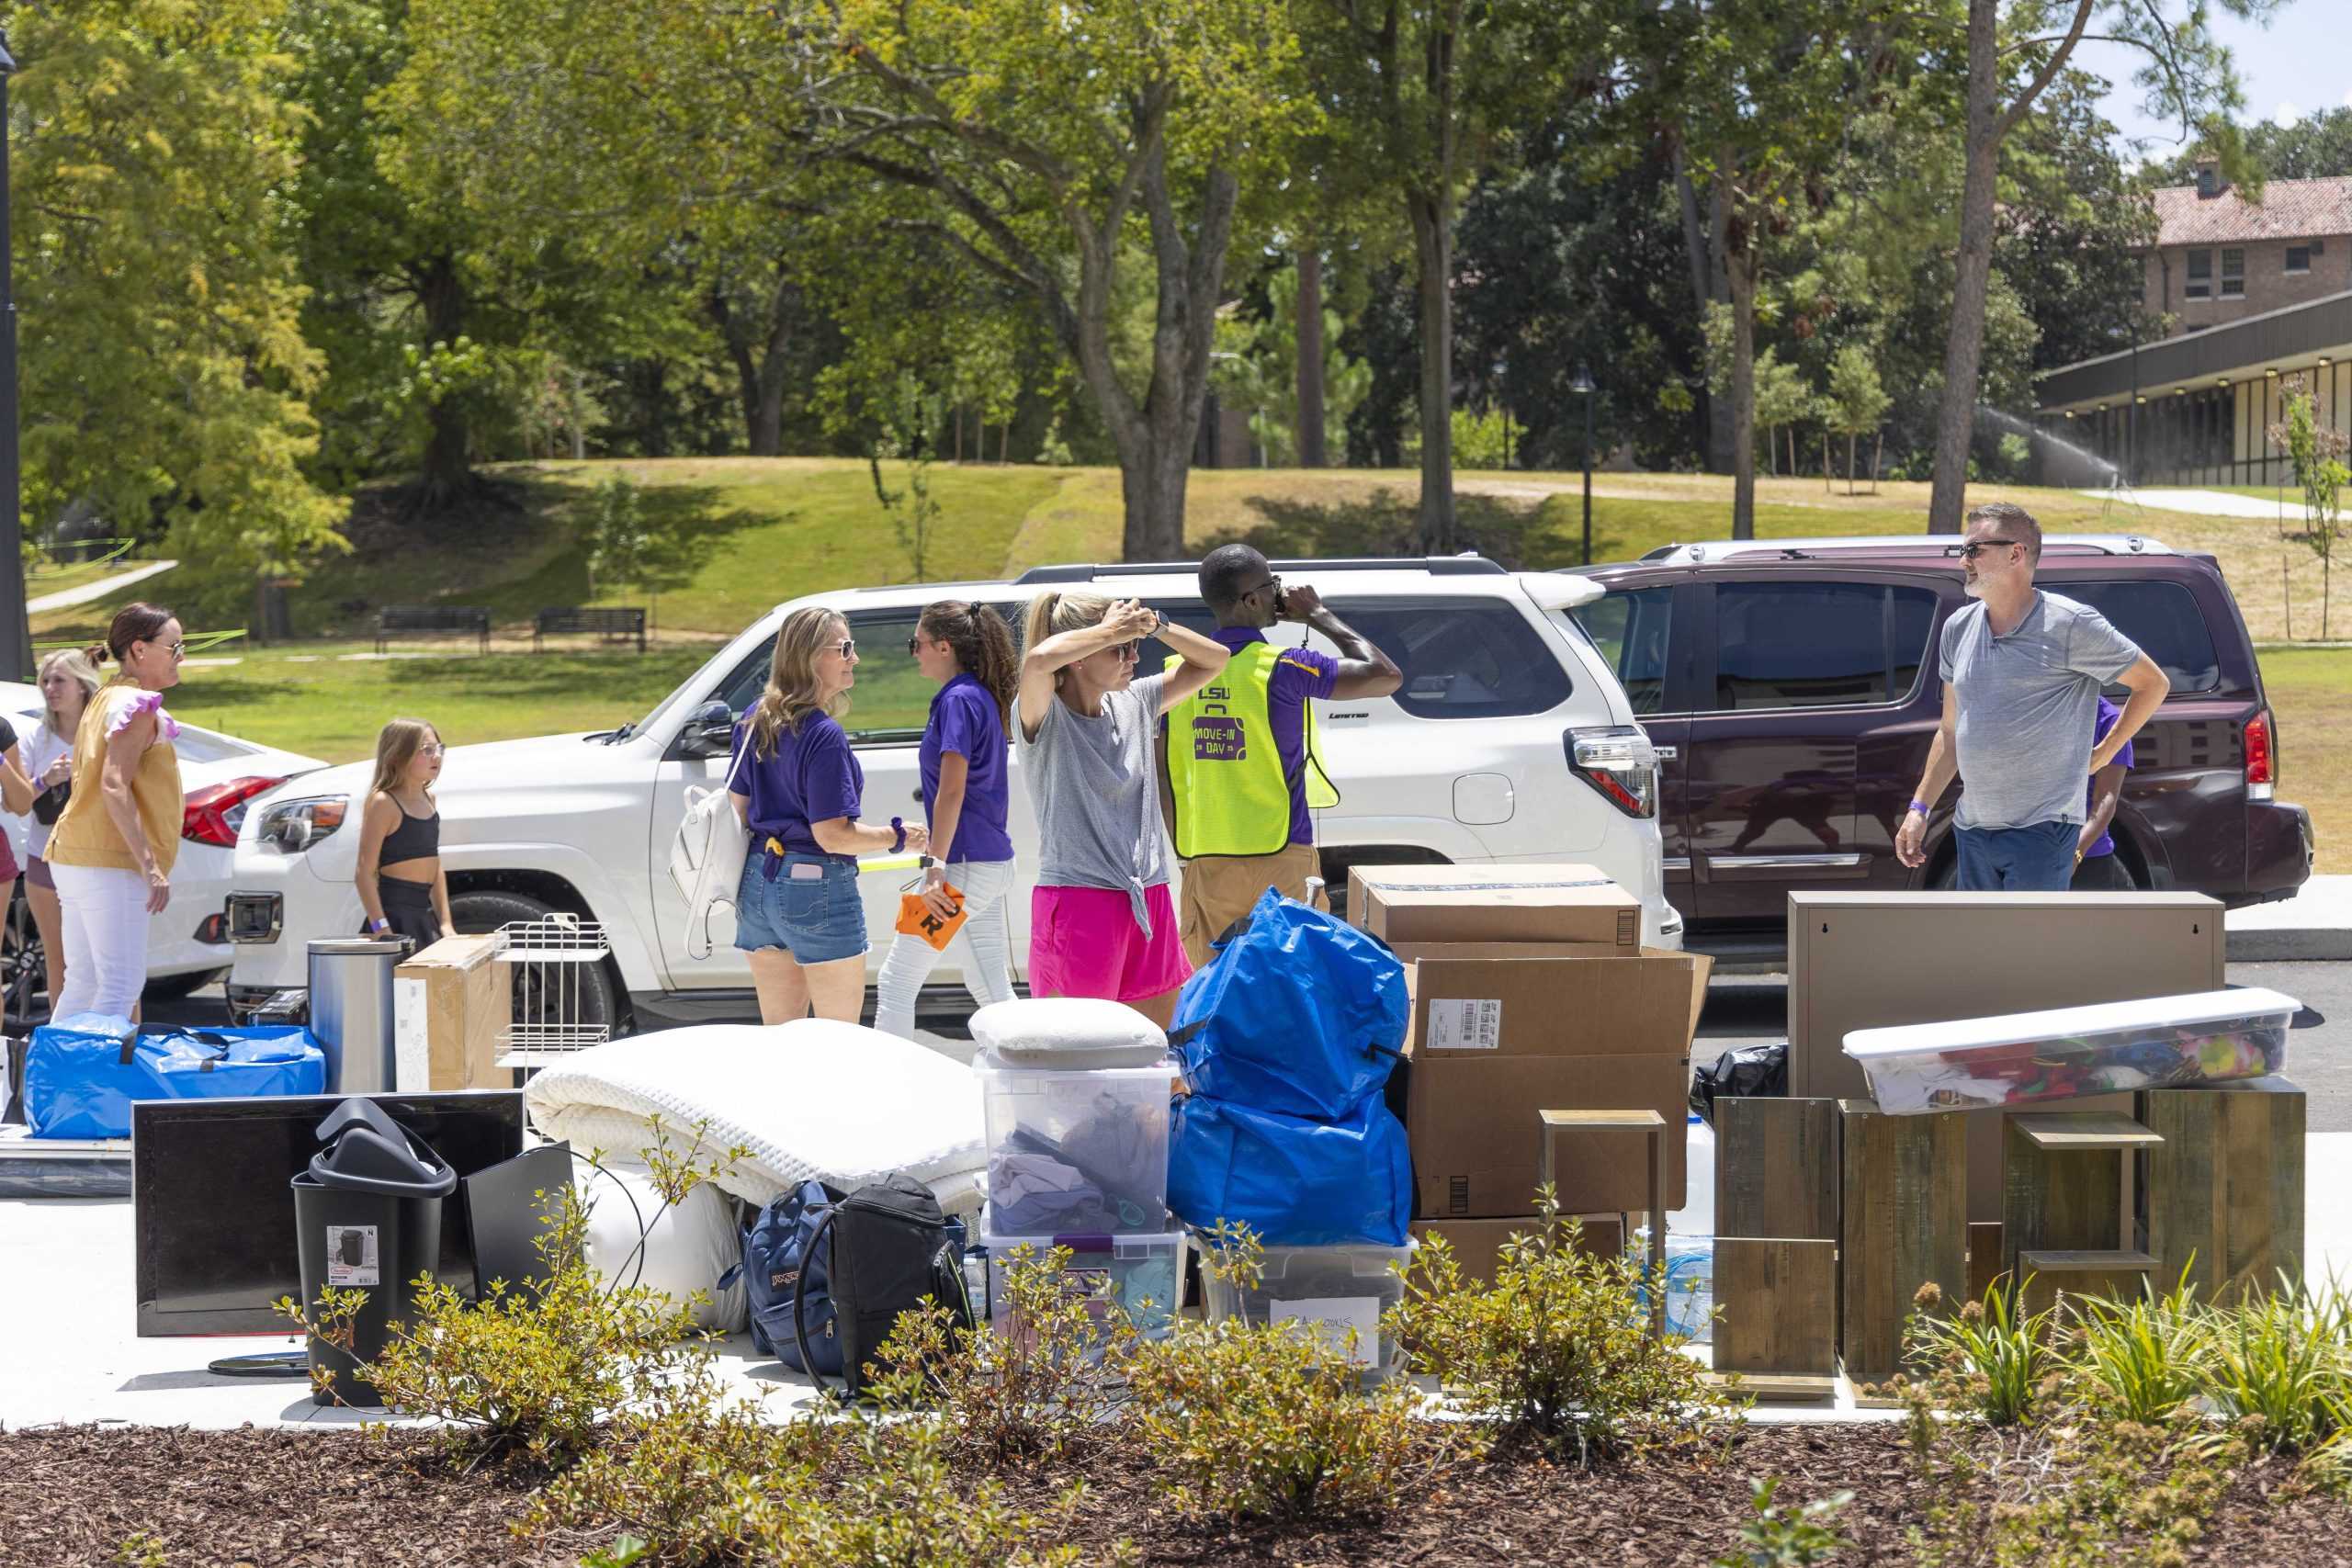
(1145, 1274)
(1077, 1152)
(2022, 1058)
(1330, 1289)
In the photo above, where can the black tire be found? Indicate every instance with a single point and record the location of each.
(479, 913)
(24, 973)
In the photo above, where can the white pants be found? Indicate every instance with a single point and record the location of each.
(983, 943)
(103, 911)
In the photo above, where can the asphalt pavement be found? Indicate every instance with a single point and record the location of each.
(1748, 1008)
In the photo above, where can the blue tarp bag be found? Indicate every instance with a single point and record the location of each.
(1298, 1013)
(1296, 1182)
(82, 1075)
(777, 1250)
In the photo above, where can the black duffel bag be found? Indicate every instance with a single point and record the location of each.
(886, 1247)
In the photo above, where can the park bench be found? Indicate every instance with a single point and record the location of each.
(611, 624)
(432, 620)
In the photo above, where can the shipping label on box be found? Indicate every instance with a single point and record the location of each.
(1539, 902)
(1465, 1024)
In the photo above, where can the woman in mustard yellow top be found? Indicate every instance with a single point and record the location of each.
(112, 849)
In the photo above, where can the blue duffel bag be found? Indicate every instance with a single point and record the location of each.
(1298, 1013)
(82, 1075)
(1294, 1182)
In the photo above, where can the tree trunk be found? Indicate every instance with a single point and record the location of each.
(1878, 452)
(1964, 347)
(1853, 439)
(759, 363)
(1432, 216)
(1004, 443)
(1742, 271)
(448, 473)
(1311, 454)
(1154, 438)
(1703, 249)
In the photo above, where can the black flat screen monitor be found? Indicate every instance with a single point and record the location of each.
(213, 1202)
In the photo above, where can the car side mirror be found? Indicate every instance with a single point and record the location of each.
(709, 732)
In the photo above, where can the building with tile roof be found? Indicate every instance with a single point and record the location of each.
(2219, 257)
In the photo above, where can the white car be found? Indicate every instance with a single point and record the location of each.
(186, 944)
(1509, 740)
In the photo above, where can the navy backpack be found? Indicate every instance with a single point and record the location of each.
(777, 1249)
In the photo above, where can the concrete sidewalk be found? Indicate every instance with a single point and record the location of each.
(2316, 923)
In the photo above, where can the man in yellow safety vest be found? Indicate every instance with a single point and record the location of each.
(1238, 755)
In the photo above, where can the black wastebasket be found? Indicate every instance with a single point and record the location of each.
(367, 1217)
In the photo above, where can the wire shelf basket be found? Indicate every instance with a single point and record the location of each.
(546, 1025)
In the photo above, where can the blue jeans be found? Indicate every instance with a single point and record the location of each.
(2036, 859)
(809, 907)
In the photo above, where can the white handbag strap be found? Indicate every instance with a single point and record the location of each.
(700, 913)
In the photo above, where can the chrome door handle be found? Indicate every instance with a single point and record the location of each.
(1665, 753)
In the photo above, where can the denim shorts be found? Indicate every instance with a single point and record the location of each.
(816, 915)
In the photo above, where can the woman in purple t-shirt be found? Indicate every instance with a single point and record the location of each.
(796, 783)
(967, 650)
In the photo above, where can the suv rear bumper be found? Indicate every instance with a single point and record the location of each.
(2279, 847)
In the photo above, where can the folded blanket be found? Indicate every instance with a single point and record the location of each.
(836, 1101)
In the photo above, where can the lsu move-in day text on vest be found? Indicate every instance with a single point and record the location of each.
(1224, 768)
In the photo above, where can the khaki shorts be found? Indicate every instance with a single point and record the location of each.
(1220, 889)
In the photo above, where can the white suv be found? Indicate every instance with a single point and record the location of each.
(1509, 740)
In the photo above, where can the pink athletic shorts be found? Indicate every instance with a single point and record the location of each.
(1083, 941)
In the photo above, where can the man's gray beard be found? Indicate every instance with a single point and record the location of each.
(1973, 588)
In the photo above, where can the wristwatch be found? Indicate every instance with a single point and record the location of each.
(897, 835)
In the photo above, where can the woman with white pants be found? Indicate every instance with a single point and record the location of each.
(112, 849)
(967, 650)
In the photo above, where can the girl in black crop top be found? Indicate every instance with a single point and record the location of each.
(400, 883)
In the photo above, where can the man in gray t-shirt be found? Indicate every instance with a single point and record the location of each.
(2022, 672)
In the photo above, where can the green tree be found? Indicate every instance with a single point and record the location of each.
(165, 372)
(1260, 374)
(2315, 451)
(2316, 147)
(1763, 98)
(2012, 50)
(1857, 400)
(1424, 96)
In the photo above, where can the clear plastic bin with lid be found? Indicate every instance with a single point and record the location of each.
(1075, 1099)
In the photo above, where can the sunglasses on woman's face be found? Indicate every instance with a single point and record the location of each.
(1127, 651)
(846, 646)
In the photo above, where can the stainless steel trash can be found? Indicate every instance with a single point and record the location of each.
(351, 1009)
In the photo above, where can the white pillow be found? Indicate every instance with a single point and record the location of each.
(685, 1250)
(1074, 1033)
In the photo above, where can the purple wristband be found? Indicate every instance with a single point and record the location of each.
(1921, 807)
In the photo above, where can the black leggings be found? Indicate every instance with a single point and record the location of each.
(408, 909)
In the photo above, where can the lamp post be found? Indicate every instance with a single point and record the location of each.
(16, 635)
(1582, 386)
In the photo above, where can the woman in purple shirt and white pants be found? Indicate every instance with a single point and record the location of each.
(796, 784)
(967, 648)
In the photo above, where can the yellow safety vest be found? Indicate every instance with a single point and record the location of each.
(1225, 771)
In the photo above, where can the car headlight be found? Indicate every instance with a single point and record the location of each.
(293, 826)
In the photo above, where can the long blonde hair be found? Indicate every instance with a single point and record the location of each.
(791, 694)
(397, 745)
(1056, 611)
(77, 663)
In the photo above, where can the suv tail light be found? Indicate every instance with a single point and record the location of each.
(1620, 762)
(213, 814)
(2261, 757)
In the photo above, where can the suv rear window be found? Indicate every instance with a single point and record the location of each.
(1797, 644)
(1630, 629)
(2163, 619)
(1463, 657)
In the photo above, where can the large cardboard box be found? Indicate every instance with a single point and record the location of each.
(450, 1005)
(1865, 960)
(1549, 902)
(1492, 1040)
(1478, 1245)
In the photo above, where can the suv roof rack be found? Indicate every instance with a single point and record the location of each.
(1436, 566)
(1938, 543)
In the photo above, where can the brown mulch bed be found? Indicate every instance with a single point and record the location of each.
(291, 1499)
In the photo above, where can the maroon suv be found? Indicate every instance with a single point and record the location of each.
(1791, 688)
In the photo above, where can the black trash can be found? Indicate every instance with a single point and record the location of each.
(367, 1217)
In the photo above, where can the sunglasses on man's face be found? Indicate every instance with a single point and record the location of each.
(1970, 552)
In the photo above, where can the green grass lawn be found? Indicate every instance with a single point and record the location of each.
(316, 703)
(2310, 689)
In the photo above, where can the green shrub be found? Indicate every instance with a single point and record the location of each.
(1270, 1423)
(2282, 1363)
(694, 1480)
(1780, 1537)
(2084, 1495)
(1556, 1351)
(1051, 1377)
(2142, 1361)
(1993, 1358)
(531, 1374)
